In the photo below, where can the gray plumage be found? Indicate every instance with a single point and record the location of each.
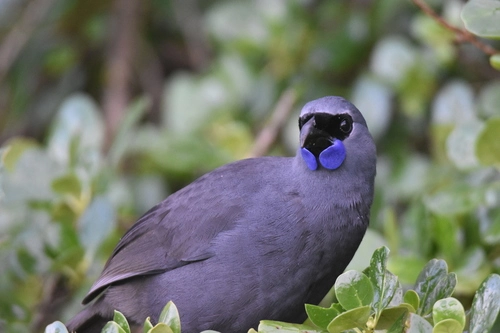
(251, 240)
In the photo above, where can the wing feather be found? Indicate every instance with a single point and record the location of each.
(175, 232)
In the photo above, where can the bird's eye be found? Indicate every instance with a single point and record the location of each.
(346, 125)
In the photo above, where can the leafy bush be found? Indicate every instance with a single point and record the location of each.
(430, 101)
(368, 301)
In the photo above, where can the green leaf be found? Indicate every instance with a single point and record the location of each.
(482, 17)
(77, 132)
(147, 325)
(268, 326)
(321, 316)
(417, 324)
(461, 144)
(454, 104)
(448, 326)
(486, 305)
(446, 232)
(390, 317)
(353, 289)
(489, 99)
(411, 297)
(449, 308)
(14, 149)
(161, 328)
(112, 327)
(170, 316)
(434, 283)
(457, 199)
(96, 224)
(56, 327)
(67, 184)
(122, 138)
(495, 61)
(355, 318)
(385, 284)
(120, 319)
(488, 143)
(491, 234)
(398, 325)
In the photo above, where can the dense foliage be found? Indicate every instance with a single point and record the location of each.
(74, 176)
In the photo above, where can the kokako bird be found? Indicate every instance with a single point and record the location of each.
(251, 240)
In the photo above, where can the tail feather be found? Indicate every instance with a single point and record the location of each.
(87, 321)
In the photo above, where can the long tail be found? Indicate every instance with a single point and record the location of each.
(87, 321)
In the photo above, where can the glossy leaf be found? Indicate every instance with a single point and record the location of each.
(13, 151)
(488, 143)
(495, 61)
(390, 316)
(449, 308)
(417, 324)
(461, 144)
(120, 319)
(489, 99)
(32, 177)
(161, 328)
(112, 327)
(385, 284)
(78, 132)
(355, 318)
(399, 324)
(96, 224)
(393, 58)
(411, 297)
(56, 327)
(147, 326)
(353, 289)
(434, 283)
(67, 184)
(321, 316)
(486, 305)
(448, 326)
(374, 98)
(170, 316)
(454, 104)
(270, 326)
(482, 18)
(122, 139)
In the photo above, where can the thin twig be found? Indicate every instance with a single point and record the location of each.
(21, 32)
(123, 37)
(267, 137)
(189, 19)
(463, 35)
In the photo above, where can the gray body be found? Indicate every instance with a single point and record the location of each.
(252, 240)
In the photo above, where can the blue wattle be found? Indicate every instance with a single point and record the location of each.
(333, 156)
(309, 158)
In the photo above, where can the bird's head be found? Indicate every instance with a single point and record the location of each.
(331, 131)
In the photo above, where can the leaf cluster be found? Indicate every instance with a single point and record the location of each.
(369, 301)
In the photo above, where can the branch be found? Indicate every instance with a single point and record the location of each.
(267, 137)
(189, 18)
(462, 34)
(21, 32)
(122, 39)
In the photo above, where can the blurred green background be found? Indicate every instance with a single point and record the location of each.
(106, 107)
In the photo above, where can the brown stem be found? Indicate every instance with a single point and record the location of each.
(267, 137)
(189, 18)
(463, 35)
(123, 37)
(21, 32)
